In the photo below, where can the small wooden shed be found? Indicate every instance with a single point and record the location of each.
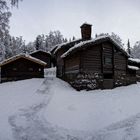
(42, 55)
(21, 67)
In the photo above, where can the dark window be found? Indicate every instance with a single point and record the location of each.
(107, 60)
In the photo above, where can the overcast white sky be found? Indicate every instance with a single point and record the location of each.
(40, 16)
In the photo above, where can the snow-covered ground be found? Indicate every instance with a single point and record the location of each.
(13, 97)
(49, 109)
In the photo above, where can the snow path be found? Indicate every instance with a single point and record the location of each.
(29, 124)
(26, 124)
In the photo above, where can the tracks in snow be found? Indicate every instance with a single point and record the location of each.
(124, 130)
(27, 124)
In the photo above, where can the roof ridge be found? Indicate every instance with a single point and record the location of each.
(6, 61)
(92, 41)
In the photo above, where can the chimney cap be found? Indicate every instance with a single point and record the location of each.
(85, 24)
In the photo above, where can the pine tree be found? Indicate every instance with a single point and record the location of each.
(37, 42)
(73, 38)
(128, 47)
(96, 35)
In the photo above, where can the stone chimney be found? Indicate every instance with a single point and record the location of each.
(86, 31)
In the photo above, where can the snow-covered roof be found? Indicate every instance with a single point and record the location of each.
(22, 55)
(40, 51)
(59, 46)
(53, 48)
(133, 67)
(136, 60)
(92, 41)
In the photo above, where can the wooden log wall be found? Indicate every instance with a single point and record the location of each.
(71, 67)
(120, 68)
(91, 60)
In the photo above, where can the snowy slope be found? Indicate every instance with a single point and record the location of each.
(91, 110)
(49, 109)
(15, 96)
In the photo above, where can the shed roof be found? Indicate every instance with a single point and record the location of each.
(40, 51)
(133, 67)
(25, 56)
(134, 60)
(97, 40)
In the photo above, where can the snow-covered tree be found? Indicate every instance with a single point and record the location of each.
(45, 42)
(135, 52)
(113, 36)
(117, 39)
(15, 2)
(30, 47)
(4, 27)
(39, 42)
(53, 38)
(7, 44)
(4, 19)
(2, 51)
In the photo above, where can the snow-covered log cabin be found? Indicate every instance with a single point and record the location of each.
(94, 63)
(21, 67)
(43, 56)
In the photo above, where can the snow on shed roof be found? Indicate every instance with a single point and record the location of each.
(53, 48)
(135, 60)
(133, 67)
(59, 46)
(93, 41)
(22, 55)
(40, 51)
